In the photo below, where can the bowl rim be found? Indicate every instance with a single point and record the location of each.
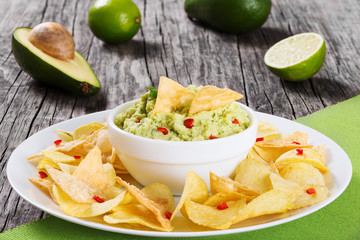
(111, 124)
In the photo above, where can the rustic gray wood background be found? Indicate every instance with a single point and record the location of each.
(172, 45)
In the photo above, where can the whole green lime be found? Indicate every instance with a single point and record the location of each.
(231, 16)
(114, 21)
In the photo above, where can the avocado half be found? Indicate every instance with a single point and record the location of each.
(75, 76)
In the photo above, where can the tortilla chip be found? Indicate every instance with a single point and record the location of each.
(210, 97)
(35, 158)
(91, 170)
(76, 209)
(58, 156)
(171, 96)
(117, 164)
(78, 190)
(134, 214)
(100, 138)
(77, 147)
(45, 185)
(157, 209)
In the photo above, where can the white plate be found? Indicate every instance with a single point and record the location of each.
(19, 170)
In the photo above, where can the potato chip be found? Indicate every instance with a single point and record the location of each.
(156, 208)
(76, 209)
(44, 185)
(227, 185)
(211, 216)
(161, 194)
(58, 156)
(302, 172)
(78, 190)
(86, 130)
(270, 149)
(91, 170)
(171, 96)
(220, 197)
(134, 214)
(298, 137)
(273, 201)
(65, 135)
(322, 150)
(110, 173)
(265, 128)
(307, 155)
(195, 189)
(254, 174)
(253, 154)
(210, 97)
(299, 192)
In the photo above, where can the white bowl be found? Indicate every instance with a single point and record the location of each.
(168, 162)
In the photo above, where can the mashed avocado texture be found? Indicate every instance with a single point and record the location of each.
(178, 125)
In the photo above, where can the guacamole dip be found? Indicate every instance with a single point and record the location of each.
(178, 125)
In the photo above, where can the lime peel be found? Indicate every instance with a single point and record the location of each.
(298, 57)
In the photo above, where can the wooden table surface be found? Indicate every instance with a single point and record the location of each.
(170, 44)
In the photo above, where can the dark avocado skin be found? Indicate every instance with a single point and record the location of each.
(40, 70)
(230, 16)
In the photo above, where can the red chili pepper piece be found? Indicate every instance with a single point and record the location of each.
(163, 130)
(222, 206)
(235, 121)
(43, 174)
(137, 121)
(98, 199)
(92, 132)
(259, 139)
(168, 215)
(57, 142)
(295, 142)
(212, 137)
(189, 123)
(77, 157)
(299, 151)
(311, 191)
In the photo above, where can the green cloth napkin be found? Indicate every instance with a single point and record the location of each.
(338, 220)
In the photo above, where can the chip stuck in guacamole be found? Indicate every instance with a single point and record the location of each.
(185, 114)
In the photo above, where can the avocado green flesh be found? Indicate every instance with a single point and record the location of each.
(75, 76)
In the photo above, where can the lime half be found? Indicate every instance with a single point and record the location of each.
(297, 58)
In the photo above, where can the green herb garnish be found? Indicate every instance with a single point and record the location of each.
(153, 92)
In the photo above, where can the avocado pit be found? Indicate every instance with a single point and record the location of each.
(53, 39)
